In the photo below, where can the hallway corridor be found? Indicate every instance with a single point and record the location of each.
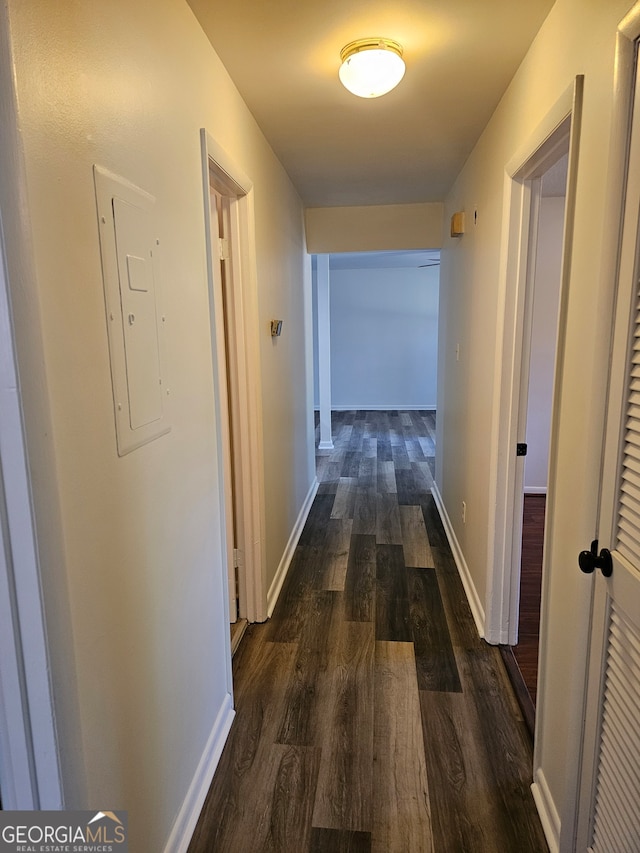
(370, 716)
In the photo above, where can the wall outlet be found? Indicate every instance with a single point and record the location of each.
(464, 512)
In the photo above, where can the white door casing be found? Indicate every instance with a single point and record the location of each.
(30, 775)
(220, 171)
(560, 128)
(221, 275)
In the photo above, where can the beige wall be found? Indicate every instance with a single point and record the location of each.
(544, 335)
(577, 38)
(374, 228)
(133, 582)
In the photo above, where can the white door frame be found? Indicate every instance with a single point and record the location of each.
(238, 188)
(30, 767)
(540, 151)
(30, 776)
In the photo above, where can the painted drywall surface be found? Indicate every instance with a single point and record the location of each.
(374, 228)
(384, 338)
(283, 269)
(577, 37)
(543, 342)
(314, 303)
(128, 87)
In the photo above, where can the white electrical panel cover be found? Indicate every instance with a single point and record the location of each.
(130, 267)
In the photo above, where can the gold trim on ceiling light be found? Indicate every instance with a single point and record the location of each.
(371, 67)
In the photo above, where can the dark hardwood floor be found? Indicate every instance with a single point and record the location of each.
(521, 660)
(370, 716)
(526, 652)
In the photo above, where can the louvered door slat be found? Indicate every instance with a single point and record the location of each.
(629, 500)
(633, 446)
(627, 546)
(615, 815)
(630, 515)
(616, 826)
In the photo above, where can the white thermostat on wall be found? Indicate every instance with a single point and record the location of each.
(130, 267)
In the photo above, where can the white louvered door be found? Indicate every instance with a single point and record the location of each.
(609, 812)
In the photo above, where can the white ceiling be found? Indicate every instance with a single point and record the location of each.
(407, 146)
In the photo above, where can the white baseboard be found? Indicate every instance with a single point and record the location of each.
(547, 810)
(377, 407)
(477, 610)
(325, 445)
(185, 823)
(535, 490)
(285, 562)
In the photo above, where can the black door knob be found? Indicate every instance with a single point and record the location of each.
(589, 561)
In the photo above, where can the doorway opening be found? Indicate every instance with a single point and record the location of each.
(539, 346)
(543, 154)
(234, 336)
(375, 332)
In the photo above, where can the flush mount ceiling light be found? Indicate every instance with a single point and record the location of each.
(371, 67)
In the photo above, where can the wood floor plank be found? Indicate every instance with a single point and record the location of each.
(526, 652)
(465, 814)
(342, 434)
(396, 435)
(388, 529)
(351, 464)
(307, 689)
(384, 448)
(428, 445)
(316, 524)
(400, 457)
(357, 436)
(364, 512)
(418, 426)
(504, 746)
(401, 808)
(345, 501)
(435, 659)
(247, 770)
(462, 628)
(408, 493)
(332, 470)
(305, 576)
(367, 474)
(387, 477)
(328, 487)
(422, 476)
(311, 677)
(344, 791)
(392, 596)
(414, 450)
(291, 806)
(435, 529)
(336, 554)
(339, 841)
(370, 447)
(359, 589)
(415, 542)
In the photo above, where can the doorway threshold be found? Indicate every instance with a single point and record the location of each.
(237, 633)
(519, 688)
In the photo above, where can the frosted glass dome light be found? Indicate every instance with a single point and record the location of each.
(371, 67)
